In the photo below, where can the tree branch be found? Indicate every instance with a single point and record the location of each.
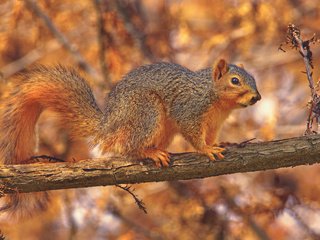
(31, 57)
(102, 38)
(101, 172)
(137, 35)
(295, 40)
(62, 39)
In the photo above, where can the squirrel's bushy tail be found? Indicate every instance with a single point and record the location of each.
(58, 89)
(24, 205)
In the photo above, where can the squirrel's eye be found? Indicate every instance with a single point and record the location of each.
(235, 81)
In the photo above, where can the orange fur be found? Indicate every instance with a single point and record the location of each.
(25, 144)
(229, 98)
(161, 139)
(153, 146)
(169, 129)
(211, 125)
(30, 93)
(116, 142)
(213, 120)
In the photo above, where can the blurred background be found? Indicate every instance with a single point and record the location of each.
(104, 40)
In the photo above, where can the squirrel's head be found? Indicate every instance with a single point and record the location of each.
(234, 84)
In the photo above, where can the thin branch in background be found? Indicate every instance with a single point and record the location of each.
(295, 40)
(229, 38)
(311, 233)
(260, 233)
(31, 57)
(73, 226)
(102, 37)
(82, 63)
(138, 228)
(137, 35)
(138, 201)
(218, 223)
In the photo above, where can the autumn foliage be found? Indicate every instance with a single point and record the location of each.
(104, 40)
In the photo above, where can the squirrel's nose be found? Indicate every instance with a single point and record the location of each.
(255, 98)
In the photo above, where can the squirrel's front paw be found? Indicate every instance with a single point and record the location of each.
(160, 157)
(211, 151)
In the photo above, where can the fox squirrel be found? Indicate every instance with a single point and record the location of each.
(143, 112)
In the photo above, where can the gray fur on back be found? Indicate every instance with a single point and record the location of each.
(180, 88)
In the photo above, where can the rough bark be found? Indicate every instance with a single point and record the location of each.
(101, 172)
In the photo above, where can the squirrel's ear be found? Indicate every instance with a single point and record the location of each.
(219, 69)
(240, 65)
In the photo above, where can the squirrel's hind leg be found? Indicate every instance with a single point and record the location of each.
(139, 130)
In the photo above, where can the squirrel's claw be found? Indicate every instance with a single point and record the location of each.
(160, 157)
(211, 151)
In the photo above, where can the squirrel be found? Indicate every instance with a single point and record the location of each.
(143, 112)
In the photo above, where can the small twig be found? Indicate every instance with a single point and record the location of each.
(243, 143)
(305, 52)
(303, 46)
(239, 145)
(33, 6)
(138, 201)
